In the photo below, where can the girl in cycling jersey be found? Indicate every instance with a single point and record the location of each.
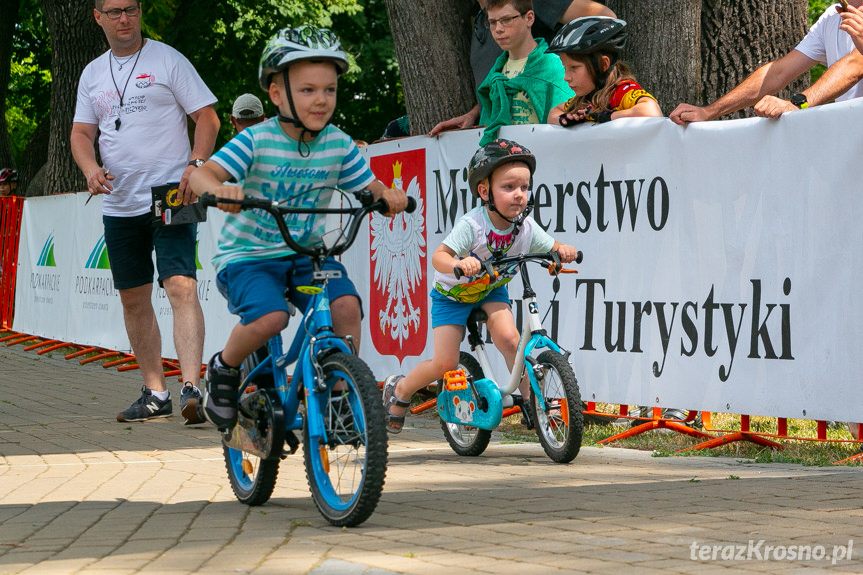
(603, 84)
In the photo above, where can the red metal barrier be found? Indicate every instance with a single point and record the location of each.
(10, 229)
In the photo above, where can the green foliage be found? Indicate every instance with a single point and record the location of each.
(370, 96)
(816, 8)
(29, 96)
(224, 41)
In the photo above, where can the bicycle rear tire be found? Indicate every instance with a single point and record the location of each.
(252, 479)
(346, 471)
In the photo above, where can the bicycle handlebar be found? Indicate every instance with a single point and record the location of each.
(367, 205)
(490, 264)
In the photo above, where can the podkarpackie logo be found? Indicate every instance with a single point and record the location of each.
(98, 259)
(46, 256)
(398, 295)
(43, 281)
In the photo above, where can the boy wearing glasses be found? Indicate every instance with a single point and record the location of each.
(136, 97)
(525, 83)
(485, 48)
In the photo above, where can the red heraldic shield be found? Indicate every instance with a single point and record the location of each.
(398, 306)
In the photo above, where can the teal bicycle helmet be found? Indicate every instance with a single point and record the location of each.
(291, 45)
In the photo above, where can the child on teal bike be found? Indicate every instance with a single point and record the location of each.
(297, 158)
(500, 174)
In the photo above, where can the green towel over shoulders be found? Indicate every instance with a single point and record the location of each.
(541, 79)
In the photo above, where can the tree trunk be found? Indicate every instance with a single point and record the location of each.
(9, 10)
(663, 47)
(75, 40)
(762, 30)
(34, 157)
(432, 41)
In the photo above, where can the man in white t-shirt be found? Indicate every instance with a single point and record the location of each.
(136, 97)
(825, 44)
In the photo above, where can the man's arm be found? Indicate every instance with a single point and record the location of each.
(206, 129)
(82, 141)
(766, 80)
(836, 80)
(580, 8)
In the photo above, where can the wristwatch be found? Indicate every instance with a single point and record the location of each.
(800, 101)
(196, 162)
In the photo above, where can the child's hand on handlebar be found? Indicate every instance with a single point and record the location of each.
(469, 266)
(396, 199)
(567, 253)
(230, 193)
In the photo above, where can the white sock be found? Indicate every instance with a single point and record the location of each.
(161, 395)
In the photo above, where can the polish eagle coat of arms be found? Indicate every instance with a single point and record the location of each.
(399, 298)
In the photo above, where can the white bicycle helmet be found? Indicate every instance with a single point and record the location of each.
(302, 43)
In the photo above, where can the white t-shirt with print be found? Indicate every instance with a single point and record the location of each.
(475, 235)
(827, 44)
(151, 146)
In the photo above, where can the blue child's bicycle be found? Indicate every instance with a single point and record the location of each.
(470, 400)
(332, 395)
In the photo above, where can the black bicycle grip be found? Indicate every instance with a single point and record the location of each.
(579, 257)
(207, 200)
(412, 205)
(456, 271)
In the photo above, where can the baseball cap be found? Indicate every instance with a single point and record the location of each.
(247, 106)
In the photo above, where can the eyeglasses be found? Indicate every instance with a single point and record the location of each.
(506, 21)
(130, 12)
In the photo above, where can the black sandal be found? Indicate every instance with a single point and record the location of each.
(395, 423)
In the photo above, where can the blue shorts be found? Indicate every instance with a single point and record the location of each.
(448, 312)
(256, 288)
(131, 241)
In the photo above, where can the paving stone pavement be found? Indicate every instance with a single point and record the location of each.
(82, 493)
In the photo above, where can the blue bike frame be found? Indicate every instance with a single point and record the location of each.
(318, 321)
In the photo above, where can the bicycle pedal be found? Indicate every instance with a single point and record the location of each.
(292, 442)
(455, 380)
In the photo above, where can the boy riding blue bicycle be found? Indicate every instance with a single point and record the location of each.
(297, 158)
(500, 174)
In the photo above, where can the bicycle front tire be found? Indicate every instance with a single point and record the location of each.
(560, 426)
(346, 468)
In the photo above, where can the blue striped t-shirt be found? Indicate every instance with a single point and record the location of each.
(270, 166)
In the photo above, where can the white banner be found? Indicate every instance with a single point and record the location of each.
(718, 273)
(64, 288)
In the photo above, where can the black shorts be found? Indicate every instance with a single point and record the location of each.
(131, 241)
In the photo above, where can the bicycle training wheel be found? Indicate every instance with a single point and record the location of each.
(345, 468)
(252, 478)
(561, 425)
(464, 439)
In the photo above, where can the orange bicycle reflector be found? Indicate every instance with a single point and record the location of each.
(325, 460)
